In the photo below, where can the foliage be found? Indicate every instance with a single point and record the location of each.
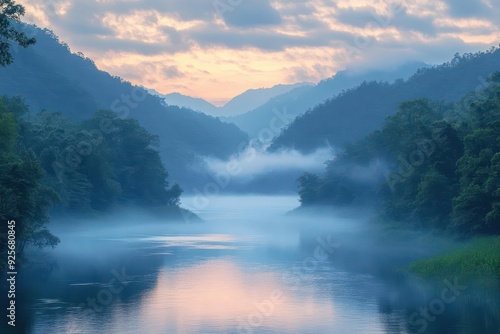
(477, 205)
(309, 187)
(441, 166)
(9, 12)
(25, 199)
(477, 259)
(85, 167)
(97, 164)
(23, 195)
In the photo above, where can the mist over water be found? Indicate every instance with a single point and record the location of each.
(249, 267)
(256, 170)
(254, 162)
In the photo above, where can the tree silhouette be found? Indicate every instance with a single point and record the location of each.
(10, 12)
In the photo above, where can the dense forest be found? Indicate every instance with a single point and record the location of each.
(85, 167)
(433, 164)
(356, 112)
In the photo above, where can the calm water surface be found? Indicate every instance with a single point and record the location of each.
(247, 269)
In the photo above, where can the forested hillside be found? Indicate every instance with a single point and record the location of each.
(356, 112)
(433, 164)
(48, 76)
(86, 167)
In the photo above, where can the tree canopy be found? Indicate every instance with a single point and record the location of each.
(10, 12)
(48, 162)
(24, 197)
(434, 164)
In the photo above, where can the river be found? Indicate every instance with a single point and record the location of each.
(248, 268)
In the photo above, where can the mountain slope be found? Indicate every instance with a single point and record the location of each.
(189, 102)
(299, 100)
(238, 105)
(48, 76)
(254, 98)
(357, 112)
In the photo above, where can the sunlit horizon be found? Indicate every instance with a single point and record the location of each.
(216, 51)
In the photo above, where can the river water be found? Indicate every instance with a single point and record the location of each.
(248, 268)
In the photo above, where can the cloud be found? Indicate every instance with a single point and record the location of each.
(265, 41)
(254, 162)
(178, 25)
(251, 14)
(172, 72)
(476, 8)
(398, 17)
(433, 51)
(308, 73)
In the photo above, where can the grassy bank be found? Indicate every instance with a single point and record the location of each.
(476, 261)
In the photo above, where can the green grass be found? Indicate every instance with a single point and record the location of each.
(477, 260)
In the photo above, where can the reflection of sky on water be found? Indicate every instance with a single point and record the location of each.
(218, 292)
(220, 295)
(207, 241)
(220, 277)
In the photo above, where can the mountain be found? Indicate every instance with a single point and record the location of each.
(299, 100)
(48, 76)
(254, 98)
(361, 110)
(197, 104)
(240, 104)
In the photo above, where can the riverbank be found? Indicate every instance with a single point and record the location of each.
(142, 215)
(476, 261)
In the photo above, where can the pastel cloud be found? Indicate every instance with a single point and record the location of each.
(199, 47)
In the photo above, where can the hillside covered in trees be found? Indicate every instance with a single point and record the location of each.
(48, 162)
(49, 76)
(358, 111)
(433, 164)
(78, 160)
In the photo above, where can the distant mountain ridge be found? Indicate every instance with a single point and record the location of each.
(355, 113)
(297, 101)
(184, 101)
(238, 105)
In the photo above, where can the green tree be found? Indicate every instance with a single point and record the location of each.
(8, 132)
(25, 199)
(57, 142)
(23, 195)
(99, 163)
(11, 12)
(308, 188)
(433, 200)
(135, 160)
(476, 208)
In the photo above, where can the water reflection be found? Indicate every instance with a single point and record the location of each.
(207, 241)
(219, 277)
(194, 291)
(220, 295)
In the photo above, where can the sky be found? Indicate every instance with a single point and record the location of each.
(217, 49)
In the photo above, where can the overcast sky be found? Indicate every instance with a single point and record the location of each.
(216, 49)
